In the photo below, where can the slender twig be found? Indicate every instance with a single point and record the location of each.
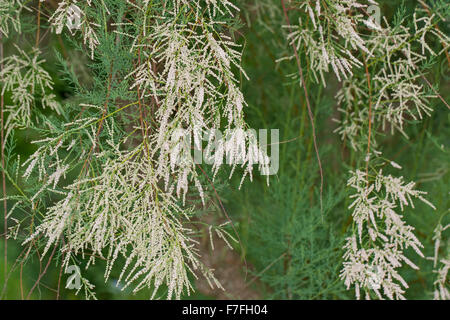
(42, 273)
(370, 117)
(21, 271)
(100, 125)
(427, 9)
(435, 92)
(38, 31)
(141, 113)
(2, 147)
(60, 271)
(422, 76)
(264, 270)
(311, 116)
(2, 295)
(227, 216)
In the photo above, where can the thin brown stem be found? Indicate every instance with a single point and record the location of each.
(141, 113)
(42, 273)
(38, 31)
(21, 270)
(100, 126)
(435, 92)
(60, 272)
(310, 113)
(2, 147)
(256, 277)
(226, 215)
(370, 117)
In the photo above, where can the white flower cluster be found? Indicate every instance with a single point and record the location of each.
(397, 91)
(67, 10)
(330, 37)
(355, 114)
(441, 284)
(124, 212)
(24, 77)
(128, 205)
(9, 16)
(194, 88)
(376, 249)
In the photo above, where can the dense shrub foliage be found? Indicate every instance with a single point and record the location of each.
(129, 136)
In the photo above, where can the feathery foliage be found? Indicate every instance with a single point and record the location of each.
(107, 105)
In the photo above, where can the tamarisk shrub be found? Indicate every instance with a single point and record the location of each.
(118, 94)
(174, 61)
(381, 68)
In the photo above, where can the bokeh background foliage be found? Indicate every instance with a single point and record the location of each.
(289, 248)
